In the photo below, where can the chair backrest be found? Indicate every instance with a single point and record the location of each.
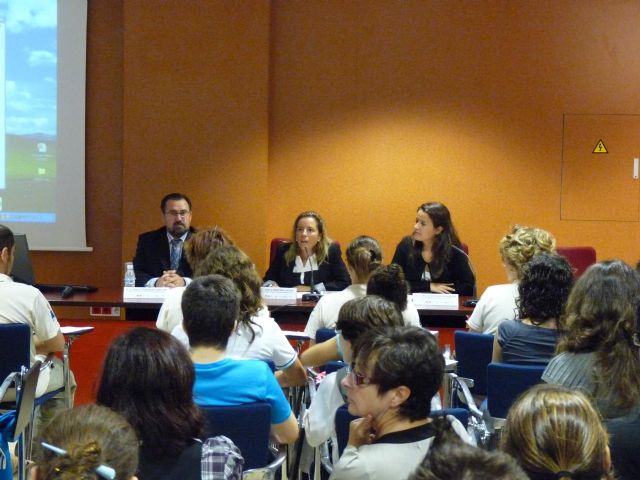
(473, 353)
(324, 334)
(275, 244)
(248, 426)
(506, 381)
(464, 247)
(15, 344)
(580, 258)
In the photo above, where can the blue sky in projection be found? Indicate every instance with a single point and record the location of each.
(31, 65)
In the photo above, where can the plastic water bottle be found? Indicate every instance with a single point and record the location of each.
(129, 275)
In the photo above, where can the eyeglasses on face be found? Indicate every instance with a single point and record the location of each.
(175, 213)
(359, 379)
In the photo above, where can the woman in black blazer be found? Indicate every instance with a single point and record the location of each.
(431, 257)
(311, 253)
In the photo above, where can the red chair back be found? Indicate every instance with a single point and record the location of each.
(580, 258)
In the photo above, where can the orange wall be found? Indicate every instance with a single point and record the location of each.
(380, 106)
(361, 110)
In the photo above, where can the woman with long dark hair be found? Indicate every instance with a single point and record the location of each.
(432, 257)
(148, 378)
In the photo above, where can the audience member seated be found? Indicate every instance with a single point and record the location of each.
(159, 261)
(543, 291)
(85, 443)
(387, 282)
(597, 353)
(498, 302)
(356, 317)
(555, 433)
(451, 459)
(196, 249)
(148, 377)
(211, 305)
(396, 372)
(256, 335)
(432, 257)
(364, 255)
(20, 303)
(310, 254)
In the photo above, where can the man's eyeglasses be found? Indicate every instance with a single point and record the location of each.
(359, 379)
(175, 213)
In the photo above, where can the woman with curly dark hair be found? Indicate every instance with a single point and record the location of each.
(543, 291)
(598, 353)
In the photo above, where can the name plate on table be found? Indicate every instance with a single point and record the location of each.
(435, 301)
(279, 293)
(151, 294)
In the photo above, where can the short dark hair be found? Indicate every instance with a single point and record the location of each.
(544, 287)
(6, 238)
(362, 314)
(389, 282)
(148, 378)
(407, 356)
(449, 458)
(210, 308)
(174, 196)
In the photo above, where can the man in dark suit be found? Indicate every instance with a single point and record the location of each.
(159, 260)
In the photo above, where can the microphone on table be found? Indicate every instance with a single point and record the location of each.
(314, 296)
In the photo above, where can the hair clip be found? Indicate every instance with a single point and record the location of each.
(104, 471)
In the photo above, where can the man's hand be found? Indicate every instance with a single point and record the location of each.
(170, 279)
(442, 287)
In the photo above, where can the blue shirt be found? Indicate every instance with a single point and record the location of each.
(236, 382)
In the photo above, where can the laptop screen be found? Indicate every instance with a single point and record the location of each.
(22, 270)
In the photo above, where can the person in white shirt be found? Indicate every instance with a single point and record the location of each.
(498, 302)
(387, 282)
(257, 335)
(20, 303)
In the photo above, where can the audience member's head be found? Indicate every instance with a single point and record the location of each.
(395, 373)
(544, 288)
(92, 437)
(389, 282)
(521, 245)
(360, 315)
(449, 458)
(555, 433)
(364, 256)
(148, 377)
(600, 317)
(210, 309)
(233, 263)
(7, 242)
(203, 242)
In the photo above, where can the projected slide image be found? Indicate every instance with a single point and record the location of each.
(28, 161)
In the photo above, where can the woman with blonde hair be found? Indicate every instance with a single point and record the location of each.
(310, 256)
(498, 302)
(196, 249)
(556, 434)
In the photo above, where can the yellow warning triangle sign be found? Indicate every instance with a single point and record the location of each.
(600, 148)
